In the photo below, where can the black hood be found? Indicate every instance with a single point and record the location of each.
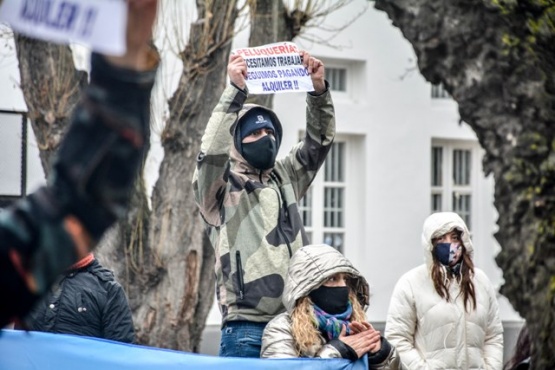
(237, 126)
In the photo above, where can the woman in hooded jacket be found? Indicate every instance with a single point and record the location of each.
(325, 298)
(444, 314)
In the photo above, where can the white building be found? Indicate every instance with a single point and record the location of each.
(400, 154)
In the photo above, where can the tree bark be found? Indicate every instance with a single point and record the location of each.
(175, 306)
(496, 59)
(51, 88)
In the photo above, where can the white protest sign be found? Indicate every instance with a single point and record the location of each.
(275, 68)
(99, 24)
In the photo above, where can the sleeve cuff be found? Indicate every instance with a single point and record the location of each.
(381, 355)
(244, 91)
(325, 91)
(233, 97)
(105, 74)
(344, 350)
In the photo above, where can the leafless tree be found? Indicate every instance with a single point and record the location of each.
(160, 252)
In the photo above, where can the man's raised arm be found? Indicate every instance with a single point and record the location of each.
(92, 176)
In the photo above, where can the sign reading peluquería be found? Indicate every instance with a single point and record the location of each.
(275, 68)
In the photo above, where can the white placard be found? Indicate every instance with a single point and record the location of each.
(99, 24)
(275, 68)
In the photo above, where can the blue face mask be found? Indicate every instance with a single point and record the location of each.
(448, 254)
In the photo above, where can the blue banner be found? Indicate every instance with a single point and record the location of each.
(21, 350)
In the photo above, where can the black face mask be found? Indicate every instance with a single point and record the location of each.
(332, 300)
(260, 154)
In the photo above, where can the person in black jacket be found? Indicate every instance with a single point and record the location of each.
(86, 301)
(92, 175)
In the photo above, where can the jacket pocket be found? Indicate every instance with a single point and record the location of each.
(240, 281)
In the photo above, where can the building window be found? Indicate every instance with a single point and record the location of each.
(13, 156)
(323, 207)
(334, 196)
(337, 78)
(437, 178)
(439, 92)
(451, 183)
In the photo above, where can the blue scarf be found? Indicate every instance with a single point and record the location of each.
(331, 325)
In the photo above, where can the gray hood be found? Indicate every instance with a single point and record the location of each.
(311, 265)
(441, 223)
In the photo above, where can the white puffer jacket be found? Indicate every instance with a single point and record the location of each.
(431, 333)
(309, 267)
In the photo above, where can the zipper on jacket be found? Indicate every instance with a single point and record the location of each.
(285, 211)
(240, 275)
(286, 242)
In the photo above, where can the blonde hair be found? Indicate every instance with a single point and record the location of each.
(304, 326)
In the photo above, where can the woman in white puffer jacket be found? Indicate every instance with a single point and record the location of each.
(444, 313)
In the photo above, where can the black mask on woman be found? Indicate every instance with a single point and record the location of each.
(260, 154)
(332, 300)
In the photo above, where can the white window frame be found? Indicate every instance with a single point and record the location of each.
(345, 82)
(14, 124)
(352, 229)
(355, 75)
(438, 92)
(448, 187)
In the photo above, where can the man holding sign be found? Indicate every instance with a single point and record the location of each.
(92, 175)
(250, 201)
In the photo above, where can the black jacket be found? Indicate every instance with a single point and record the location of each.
(88, 302)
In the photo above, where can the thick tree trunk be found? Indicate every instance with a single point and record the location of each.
(51, 88)
(124, 249)
(497, 61)
(175, 306)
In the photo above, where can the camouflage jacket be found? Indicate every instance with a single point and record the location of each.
(254, 221)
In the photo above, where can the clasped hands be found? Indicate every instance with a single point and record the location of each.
(363, 338)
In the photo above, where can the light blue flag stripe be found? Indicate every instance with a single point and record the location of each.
(21, 350)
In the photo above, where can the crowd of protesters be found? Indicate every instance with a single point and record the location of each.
(279, 296)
